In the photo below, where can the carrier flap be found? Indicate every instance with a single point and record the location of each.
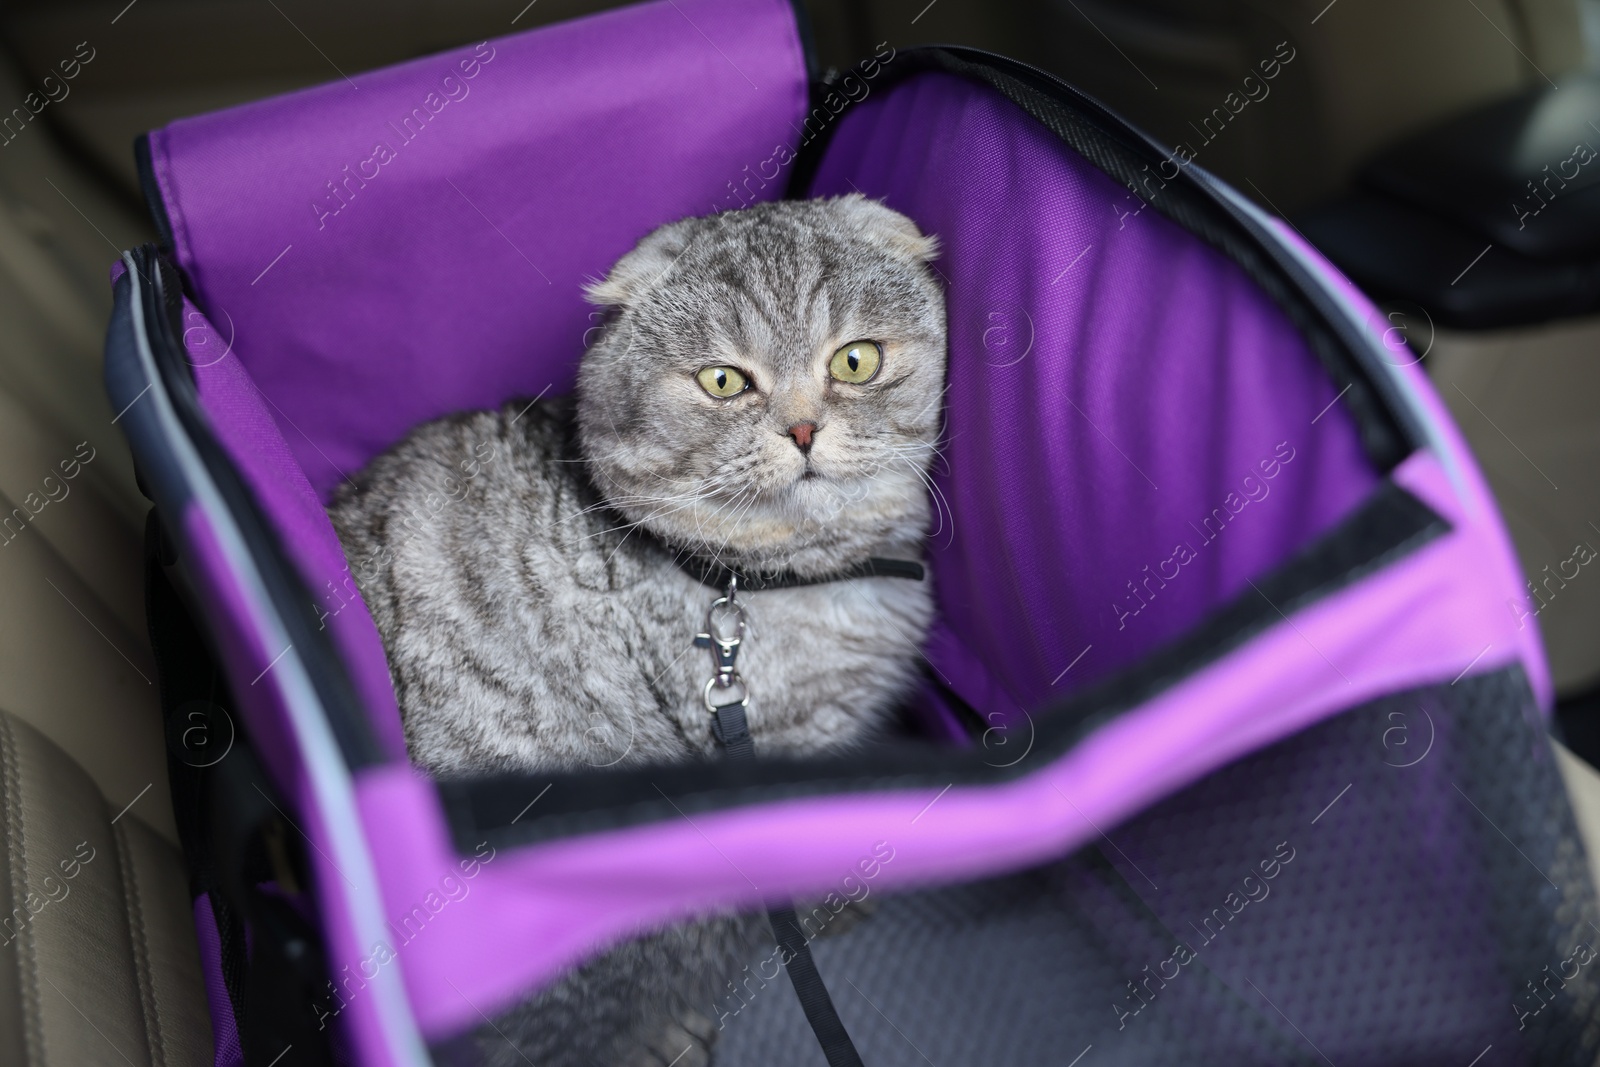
(399, 244)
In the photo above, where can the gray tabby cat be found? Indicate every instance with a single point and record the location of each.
(767, 393)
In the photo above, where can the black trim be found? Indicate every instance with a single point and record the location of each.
(1388, 525)
(192, 691)
(347, 715)
(812, 144)
(808, 41)
(1193, 199)
(151, 188)
(809, 151)
(716, 575)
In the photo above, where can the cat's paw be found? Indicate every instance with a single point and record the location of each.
(682, 1042)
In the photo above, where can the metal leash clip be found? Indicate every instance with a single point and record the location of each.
(724, 646)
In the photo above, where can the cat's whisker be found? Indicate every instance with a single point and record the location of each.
(677, 504)
(719, 507)
(926, 454)
(620, 502)
(934, 405)
(667, 507)
(608, 505)
(662, 506)
(941, 503)
(731, 524)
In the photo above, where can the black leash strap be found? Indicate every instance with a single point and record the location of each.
(733, 730)
(814, 999)
(731, 727)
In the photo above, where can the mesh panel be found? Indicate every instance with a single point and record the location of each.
(1390, 886)
(1427, 883)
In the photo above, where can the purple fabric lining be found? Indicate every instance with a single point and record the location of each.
(537, 910)
(369, 290)
(248, 433)
(1116, 386)
(224, 1030)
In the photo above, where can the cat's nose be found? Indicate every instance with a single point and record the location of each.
(801, 432)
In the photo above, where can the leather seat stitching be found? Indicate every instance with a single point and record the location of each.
(16, 846)
(141, 947)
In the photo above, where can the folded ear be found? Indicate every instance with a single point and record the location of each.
(895, 231)
(641, 268)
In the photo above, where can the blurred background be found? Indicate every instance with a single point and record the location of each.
(1435, 149)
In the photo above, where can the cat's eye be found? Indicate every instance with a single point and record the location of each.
(722, 382)
(856, 362)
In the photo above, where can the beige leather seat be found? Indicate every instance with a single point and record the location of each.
(74, 660)
(1583, 788)
(98, 962)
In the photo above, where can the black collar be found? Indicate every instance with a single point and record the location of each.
(717, 575)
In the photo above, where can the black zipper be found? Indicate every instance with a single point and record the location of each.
(151, 189)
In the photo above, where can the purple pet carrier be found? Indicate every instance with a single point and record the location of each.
(1232, 744)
